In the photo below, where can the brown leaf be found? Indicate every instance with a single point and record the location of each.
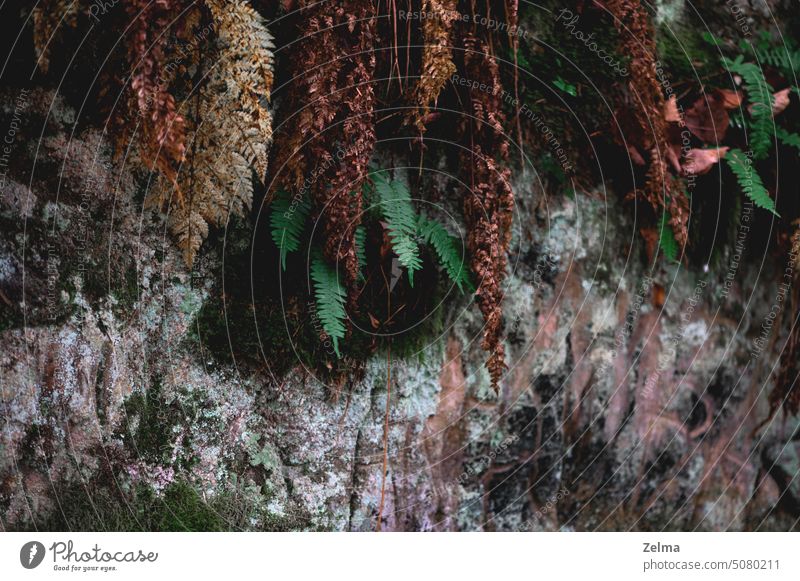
(707, 118)
(671, 113)
(781, 101)
(700, 161)
(730, 99)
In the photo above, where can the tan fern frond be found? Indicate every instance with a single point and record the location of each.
(50, 16)
(233, 126)
(437, 52)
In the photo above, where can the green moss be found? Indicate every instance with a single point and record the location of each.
(179, 509)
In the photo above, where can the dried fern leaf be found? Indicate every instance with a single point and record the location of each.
(49, 17)
(233, 126)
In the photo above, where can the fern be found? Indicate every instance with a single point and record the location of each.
(448, 250)
(759, 93)
(361, 250)
(287, 220)
(666, 239)
(749, 180)
(398, 212)
(788, 138)
(330, 298)
(786, 60)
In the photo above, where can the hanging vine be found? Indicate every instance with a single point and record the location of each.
(489, 203)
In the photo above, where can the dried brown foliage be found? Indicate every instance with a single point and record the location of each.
(48, 17)
(437, 53)
(232, 126)
(164, 133)
(638, 42)
(327, 138)
(343, 202)
(489, 204)
(313, 97)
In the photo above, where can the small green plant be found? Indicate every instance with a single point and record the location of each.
(330, 298)
(406, 230)
(398, 212)
(666, 239)
(749, 180)
(759, 94)
(288, 219)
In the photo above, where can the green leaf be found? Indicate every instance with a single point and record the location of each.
(759, 94)
(401, 219)
(749, 180)
(666, 239)
(788, 138)
(361, 250)
(448, 251)
(287, 221)
(568, 88)
(330, 296)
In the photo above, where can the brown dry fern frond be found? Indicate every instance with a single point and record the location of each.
(327, 135)
(637, 41)
(437, 53)
(312, 100)
(233, 128)
(343, 202)
(489, 204)
(49, 17)
(163, 143)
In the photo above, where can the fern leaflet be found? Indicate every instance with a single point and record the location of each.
(330, 297)
(666, 239)
(399, 214)
(749, 180)
(759, 93)
(788, 138)
(287, 220)
(448, 250)
(361, 250)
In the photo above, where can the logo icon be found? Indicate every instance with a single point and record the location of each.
(31, 554)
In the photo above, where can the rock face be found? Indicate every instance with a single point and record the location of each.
(632, 400)
(636, 395)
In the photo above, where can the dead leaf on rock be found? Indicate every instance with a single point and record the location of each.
(707, 118)
(700, 161)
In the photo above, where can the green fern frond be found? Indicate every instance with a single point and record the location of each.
(448, 251)
(398, 212)
(786, 60)
(749, 180)
(361, 250)
(666, 239)
(330, 298)
(759, 94)
(788, 138)
(287, 220)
